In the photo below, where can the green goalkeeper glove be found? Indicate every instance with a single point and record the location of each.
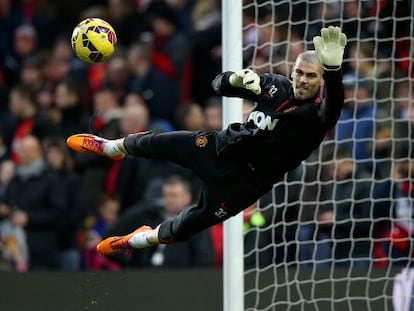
(246, 78)
(330, 46)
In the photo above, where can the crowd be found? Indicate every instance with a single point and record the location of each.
(55, 205)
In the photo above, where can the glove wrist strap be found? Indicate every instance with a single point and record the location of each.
(331, 68)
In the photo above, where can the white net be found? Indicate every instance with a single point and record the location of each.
(334, 233)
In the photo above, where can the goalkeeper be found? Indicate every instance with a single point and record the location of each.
(242, 162)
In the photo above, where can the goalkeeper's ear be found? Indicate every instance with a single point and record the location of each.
(322, 82)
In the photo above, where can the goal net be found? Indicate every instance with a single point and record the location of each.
(335, 232)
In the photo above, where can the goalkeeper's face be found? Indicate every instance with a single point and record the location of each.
(307, 79)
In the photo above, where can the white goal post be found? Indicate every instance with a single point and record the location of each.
(323, 239)
(233, 274)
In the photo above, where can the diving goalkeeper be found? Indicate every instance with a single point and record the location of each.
(242, 162)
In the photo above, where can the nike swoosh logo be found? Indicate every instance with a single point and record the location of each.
(116, 246)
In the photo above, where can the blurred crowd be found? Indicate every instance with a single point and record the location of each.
(351, 202)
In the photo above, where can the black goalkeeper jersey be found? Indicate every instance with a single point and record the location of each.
(281, 131)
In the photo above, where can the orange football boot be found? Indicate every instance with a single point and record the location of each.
(114, 244)
(88, 142)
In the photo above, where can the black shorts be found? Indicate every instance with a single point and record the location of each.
(227, 187)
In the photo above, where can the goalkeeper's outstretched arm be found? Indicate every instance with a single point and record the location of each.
(267, 88)
(244, 83)
(330, 49)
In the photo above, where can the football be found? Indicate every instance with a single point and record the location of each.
(93, 40)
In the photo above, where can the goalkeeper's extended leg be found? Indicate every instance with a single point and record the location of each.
(190, 221)
(226, 188)
(219, 200)
(185, 148)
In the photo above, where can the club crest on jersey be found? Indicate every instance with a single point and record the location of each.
(262, 121)
(201, 141)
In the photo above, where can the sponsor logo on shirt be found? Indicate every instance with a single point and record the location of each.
(262, 121)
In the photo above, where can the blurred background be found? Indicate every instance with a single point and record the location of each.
(55, 205)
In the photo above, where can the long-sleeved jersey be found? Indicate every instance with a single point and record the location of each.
(281, 131)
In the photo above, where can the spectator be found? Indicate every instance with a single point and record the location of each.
(43, 16)
(56, 70)
(403, 115)
(196, 252)
(206, 52)
(190, 117)
(171, 48)
(28, 120)
(213, 114)
(392, 133)
(7, 172)
(159, 91)
(205, 15)
(354, 26)
(395, 204)
(72, 114)
(405, 54)
(134, 99)
(94, 169)
(45, 98)
(387, 30)
(153, 124)
(106, 216)
(62, 51)
(135, 115)
(345, 218)
(107, 113)
(356, 124)
(24, 47)
(261, 64)
(273, 42)
(117, 77)
(31, 74)
(376, 70)
(38, 199)
(11, 17)
(13, 246)
(128, 22)
(275, 223)
(4, 150)
(58, 161)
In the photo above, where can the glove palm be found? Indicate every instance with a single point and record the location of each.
(330, 46)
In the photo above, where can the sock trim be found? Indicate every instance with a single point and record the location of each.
(139, 240)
